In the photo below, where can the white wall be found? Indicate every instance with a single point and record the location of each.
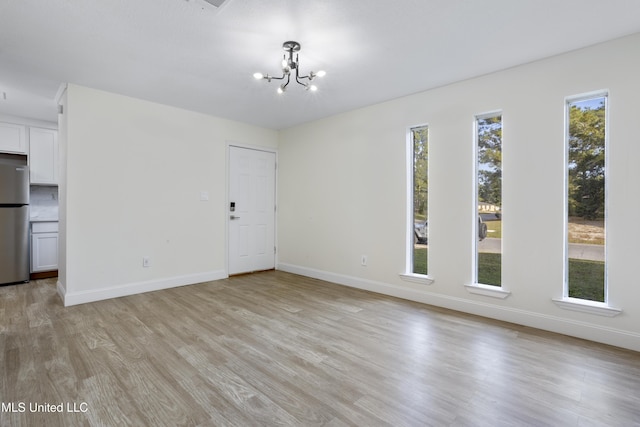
(342, 192)
(134, 173)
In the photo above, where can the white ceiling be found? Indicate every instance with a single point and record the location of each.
(192, 55)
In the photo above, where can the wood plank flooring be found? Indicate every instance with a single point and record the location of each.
(279, 349)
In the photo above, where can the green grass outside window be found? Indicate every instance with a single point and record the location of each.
(585, 277)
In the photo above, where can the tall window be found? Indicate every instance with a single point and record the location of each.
(420, 144)
(488, 233)
(586, 198)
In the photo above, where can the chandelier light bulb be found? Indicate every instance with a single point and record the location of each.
(321, 73)
(258, 76)
(281, 89)
(312, 88)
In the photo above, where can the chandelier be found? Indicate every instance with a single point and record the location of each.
(288, 65)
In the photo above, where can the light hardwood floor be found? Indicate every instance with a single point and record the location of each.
(278, 349)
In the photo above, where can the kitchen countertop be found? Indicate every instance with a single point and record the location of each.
(42, 219)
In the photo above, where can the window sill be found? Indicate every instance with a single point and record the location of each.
(487, 290)
(417, 278)
(586, 306)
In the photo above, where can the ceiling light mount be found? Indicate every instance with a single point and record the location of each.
(291, 46)
(290, 63)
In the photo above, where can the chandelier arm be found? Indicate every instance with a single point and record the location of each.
(299, 82)
(298, 77)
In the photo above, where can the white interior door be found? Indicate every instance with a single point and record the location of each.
(251, 210)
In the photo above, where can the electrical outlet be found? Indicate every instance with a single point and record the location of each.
(146, 261)
(363, 260)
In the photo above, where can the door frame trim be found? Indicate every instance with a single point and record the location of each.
(273, 150)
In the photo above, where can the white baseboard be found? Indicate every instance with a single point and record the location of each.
(61, 290)
(579, 329)
(82, 297)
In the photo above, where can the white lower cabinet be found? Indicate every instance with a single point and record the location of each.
(44, 246)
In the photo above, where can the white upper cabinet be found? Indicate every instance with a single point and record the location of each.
(43, 156)
(13, 138)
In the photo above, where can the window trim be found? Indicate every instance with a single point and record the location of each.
(587, 306)
(488, 290)
(475, 287)
(417, 278)
(409, 275)
(567, 302)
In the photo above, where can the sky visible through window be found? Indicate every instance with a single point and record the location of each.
(591, 104)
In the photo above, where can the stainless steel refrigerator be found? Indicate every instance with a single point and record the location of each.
(14, 222)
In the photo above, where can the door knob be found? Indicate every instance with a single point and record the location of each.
(232, 217)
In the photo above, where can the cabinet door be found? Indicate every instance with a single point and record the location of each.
(12, 138)
(43, 156)
(44, 252)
